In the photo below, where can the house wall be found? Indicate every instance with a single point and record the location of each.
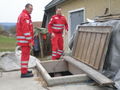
(92, 8)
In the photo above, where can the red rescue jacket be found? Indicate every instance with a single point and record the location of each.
(24, 29)
(57, 24)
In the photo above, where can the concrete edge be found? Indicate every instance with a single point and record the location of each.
(60, 80)
(44, 73)
(68, 79)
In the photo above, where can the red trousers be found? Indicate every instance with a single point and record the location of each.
(25, 59)
(57, 46)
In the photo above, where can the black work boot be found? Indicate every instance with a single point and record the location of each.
(26, 75)
(29, 71)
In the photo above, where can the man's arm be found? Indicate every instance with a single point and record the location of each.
(50, 25)
(66, 25)
(26, 30)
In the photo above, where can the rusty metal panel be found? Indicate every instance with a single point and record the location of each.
(90, 45)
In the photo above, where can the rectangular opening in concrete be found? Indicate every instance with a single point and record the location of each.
(60, 72)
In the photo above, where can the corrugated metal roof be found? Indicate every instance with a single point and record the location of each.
(53, 3)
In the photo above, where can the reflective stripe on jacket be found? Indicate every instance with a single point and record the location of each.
(57, 24)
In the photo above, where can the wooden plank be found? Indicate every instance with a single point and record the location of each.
(104, 18)
(95, 75)
(78, 44)
(95, 49)
(81, 48)
(100, 51)
(41, 46)
(75, 43)
(88, 55)
(95, 29)
(86, 46)
(105, 51)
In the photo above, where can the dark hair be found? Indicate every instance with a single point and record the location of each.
(27, 5)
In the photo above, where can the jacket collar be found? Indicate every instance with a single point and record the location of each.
(59, 15)
(26, 12)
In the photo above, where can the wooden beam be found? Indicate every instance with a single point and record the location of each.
(95, 75)
(41, 45)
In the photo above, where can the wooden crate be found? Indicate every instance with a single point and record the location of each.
(90, 45)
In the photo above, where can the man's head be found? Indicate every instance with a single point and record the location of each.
(59, 11)
(29, 8)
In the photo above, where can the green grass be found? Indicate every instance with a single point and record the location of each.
(7, 43)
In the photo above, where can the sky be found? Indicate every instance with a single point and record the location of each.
(10, 9)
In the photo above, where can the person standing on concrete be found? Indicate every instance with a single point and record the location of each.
(24, 35)
(55, 27)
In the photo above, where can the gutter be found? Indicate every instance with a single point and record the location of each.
(53, 3)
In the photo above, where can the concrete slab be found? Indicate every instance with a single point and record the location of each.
(12, 81)
(82, 86)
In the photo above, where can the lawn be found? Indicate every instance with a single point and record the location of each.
(7, 43)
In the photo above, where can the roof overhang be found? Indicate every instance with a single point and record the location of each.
(53, 3)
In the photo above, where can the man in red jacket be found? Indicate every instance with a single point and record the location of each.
(55, 27)
(24, 35)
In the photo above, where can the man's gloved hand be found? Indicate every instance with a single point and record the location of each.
(66, 32)
(31, 43)
(52, 35)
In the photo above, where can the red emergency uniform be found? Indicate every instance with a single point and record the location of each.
(56, 25)
(24, 35)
